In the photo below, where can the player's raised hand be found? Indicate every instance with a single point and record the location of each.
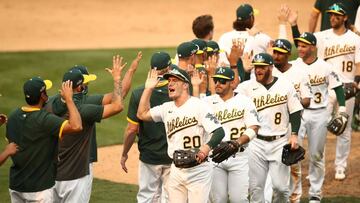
(211, 65)
(152, 79)
(135, 62)
(3, 119)
(66, 91)
(117, 68)
(269, 48)
(246, 59)
(11, 149)
(196, 78)
(292, 17)
(236, 52)
(283, 13)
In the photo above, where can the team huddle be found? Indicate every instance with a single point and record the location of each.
(222, 122)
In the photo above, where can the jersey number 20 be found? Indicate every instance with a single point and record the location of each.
(192, 142)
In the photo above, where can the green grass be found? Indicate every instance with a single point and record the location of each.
(16, 68)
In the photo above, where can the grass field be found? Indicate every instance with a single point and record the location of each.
(16, 68)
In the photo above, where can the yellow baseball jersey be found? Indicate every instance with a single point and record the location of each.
(274, 105)
(322, 77)
(342, 51)
(186, 126)
(235, 114)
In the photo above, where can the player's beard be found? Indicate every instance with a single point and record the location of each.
(264, 77)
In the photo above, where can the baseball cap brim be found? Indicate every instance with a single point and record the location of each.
(199, 52)
(256, 11)
(260, 64)
(334, 11)
(221, 76)
(48, 84)
(302, 40)
(280, 50)
(89, 78)
(168, 75)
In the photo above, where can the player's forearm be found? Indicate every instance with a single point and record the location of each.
(117, 99)
(295, 120)
(248, 135)
(143, 112)
(129, 139)
(357, 75)
(196, 90)
(340, 95)
(295, 32)
(74, 116)
(126, 83)
(217, 136)
(3, 157)
(313, 21)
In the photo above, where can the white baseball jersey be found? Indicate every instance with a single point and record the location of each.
(298, 77)
(322, 76)
(234, 114)
(342, 51)
(257, 43)
(187, 125)
(274, 105)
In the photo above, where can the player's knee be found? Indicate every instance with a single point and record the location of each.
(316, 157)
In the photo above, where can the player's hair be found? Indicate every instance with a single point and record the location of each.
(202, 26)
(241, 25)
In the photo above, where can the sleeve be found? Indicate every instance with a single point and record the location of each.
(91, 113)
(94, 99)
(251, 115)
(333, 78)
(132, 109)
(293, 100)
(317, 6)
(54, 124)
(207, 118)
(157, 113)
(357, 46)
(357, 19)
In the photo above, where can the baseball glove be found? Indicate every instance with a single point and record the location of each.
(349, 90)
(224, 150)
(356, 115)
(186, 158)
(338, 123)
(290, 157)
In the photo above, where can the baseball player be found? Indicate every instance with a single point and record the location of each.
(341, 48)
(154, 165)
(315, 117)
(72, 176)
(10, 148)
(278, 105)
(187, 121)
(238, 116)
(299, 78)
(203, 27)
(36, 132)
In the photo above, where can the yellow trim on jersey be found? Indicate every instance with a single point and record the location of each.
(29, 109)
(6, 139)
(316, 10)
(131, 121)
(260, 64)
(303, 40)
(62, 128)
(221, 76)
(280, 50)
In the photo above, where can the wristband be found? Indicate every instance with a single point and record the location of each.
(250, 133)
(233, 67)
(342, 109)
(357, 79)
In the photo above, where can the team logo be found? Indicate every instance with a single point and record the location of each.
(227, 116)
(177, 124)
(212, 117)
(269, 100)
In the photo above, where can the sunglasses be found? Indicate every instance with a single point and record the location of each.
(220, 80)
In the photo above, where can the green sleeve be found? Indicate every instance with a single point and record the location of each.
(295, 120)
(52, 124)
(94, 99)
(133, 107)
(217, 136)
(91, 113)
(340, 95)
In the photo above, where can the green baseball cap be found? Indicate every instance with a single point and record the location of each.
(201, 44)
(337, 8)
(262, 59)
(213, 47)
(186, 49)
(245, 11)
(178, 73)
(35, 86)
(282, 45)
(76, 77)
(160, 60)
(307, 37)
(224, 73)
(84, 70)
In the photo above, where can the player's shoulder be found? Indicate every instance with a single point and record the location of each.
(241, 98)
(211, 98)
(283, 82)
(351, 34)
(262, 36)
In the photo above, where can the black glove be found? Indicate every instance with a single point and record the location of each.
(290, 156)
(338, 123)
(224, 150)
(185, 158)
(349, 90)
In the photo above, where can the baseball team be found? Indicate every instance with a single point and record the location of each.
(243, 89)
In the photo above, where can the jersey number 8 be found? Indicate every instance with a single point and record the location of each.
(277, 120)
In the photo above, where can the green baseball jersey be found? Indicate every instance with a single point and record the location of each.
(36, 131)
(74, 149)
(152, 142)
(322, 5)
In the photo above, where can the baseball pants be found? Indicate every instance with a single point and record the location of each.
(264, 159)
(295, 179)
(231, 180)
(190, 185)
(72, 191)
(314, 124)
(343, 141)
(45, 196)
(152, 183)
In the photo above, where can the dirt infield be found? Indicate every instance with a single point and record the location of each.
(91, 24)
(109, 168)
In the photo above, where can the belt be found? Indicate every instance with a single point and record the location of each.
(241, 149)
(269, 138)
(315, 108)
